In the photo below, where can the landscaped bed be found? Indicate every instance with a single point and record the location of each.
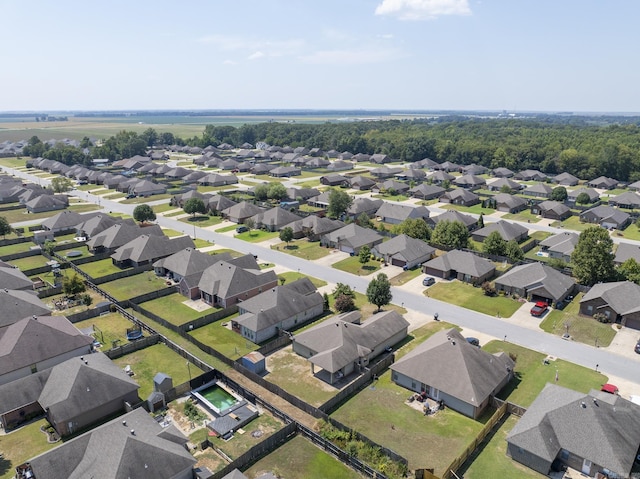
(467, 296)
(171, 309)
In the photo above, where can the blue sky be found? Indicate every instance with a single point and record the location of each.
(516, 55)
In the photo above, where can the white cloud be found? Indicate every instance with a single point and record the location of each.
(386, 36)
(422, 9)
(351, 57)
(229, 62)
(255, 55)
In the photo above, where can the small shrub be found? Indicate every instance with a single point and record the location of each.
(601, 318)
(488, 288)
(514, 357)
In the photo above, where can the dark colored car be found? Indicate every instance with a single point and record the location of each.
(130, 197)
(637, 348)
(428, 281)
(473, 341)
(242, 229)
(539, 308)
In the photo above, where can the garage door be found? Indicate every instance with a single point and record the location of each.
(398, 262)
(346, 249)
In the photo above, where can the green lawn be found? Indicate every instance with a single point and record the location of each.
(21, 445)
(223, 339)
(15, 162)
(224, 229)
(367, 309)
(200, 243)
(300, 459)
(352, 265)
(171, 309)
(146, 199)
(572, 223)
(147, 362)
(133, 286)
(256, 236)
(114, 195)
(303, 248)
(97, 269)
(492, 460)
(15, 248)
(465, 295)
(420, 335)
(380, 413)
(405, 277)
(386, 196)
(532, 374)
(202, 221)
(632, 232)
(524, 215)
(29, 262)
(108, 328)
(584, 329)
(171, 233)
(291, 276)
(16, 216)
(162, 208)
(174, 213)
(477, 209)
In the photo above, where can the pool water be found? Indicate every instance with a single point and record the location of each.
(217, 396)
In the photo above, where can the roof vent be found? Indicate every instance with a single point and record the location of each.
(124, 422)
(6, 290)
(595, 402)
(133, 432)
(81, 358)
(453, 342)
(88, 389)
(583, 405)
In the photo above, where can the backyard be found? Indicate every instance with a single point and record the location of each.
(133, 286)
(98, 269)
(107, 329)
(30, 262)
(300, 459)
(15, 248)
(21, 445)
(467, 296)
(172, 309)
(146, 363)
(221, 338)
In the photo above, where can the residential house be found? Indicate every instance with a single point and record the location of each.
(345, 155)
(626, 251)
(64, 221)
(218, 203)
(228, 164)
(96, 224)
(193, 177)
(316, 152)
(133, 445)
(394, 213)
(530, 175)
(13, 279)
(607, 217)
(565, 179)
(380, 158)
(551, 209)
(412, 174)
(426, 192)
(427, 163)
(502, 172)
(228, 282)
(539, 190)
(114, 181)
(470, 182)
(285, 171)
(274, 219)
(390, 187)
(44, 203)
(460, 197)
(320, 201)
(447, 368)
(215, 179)
(635, 186)
(301, 194)
(240, 212)
(278, 309)
(509, 203)
(333, 180)
(595, 433)
(147, 249)
(120, 234)
(439, 177)
(17, 304)
(448, 166)
(474, 169)
(177, 173)
(342, 346)
(262, 168)
(33, 344)
(404, 251)
(363, 205)
(469, 221)
(628, 200)
(72, 395)
(460, 265)
(360, 183)
(603, 183)
(360, 157)
(385, 171)
(351, 238)
(314, 227)
(593, 195)
(500, 183)
(618, 301)
(560, 246)
(147, 188)
(536, 282)
(508, 231)
(318, 162)
(179, 200)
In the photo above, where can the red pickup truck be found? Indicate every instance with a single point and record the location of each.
(539, 308)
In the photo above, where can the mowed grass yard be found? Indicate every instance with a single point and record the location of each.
(257, 236)
(291, 276)
(147, 362)
(302, 248)
(98, 269)
(15, 248)
(300, 459)
(29, 262)
(584, 329)
(20, 445)
(108, 328)
(467, 296)
(352, 265)
(221, 338)
(380, 413)
(172, 309)
(133, 286)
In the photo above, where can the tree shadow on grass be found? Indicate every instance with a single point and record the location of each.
(510, 387)
(197, 219)
(5, 466)
(369, 268)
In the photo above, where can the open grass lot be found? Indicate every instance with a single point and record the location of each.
(21, 445)
(291, 276)
(241, 443)
(465, 295)
(97, 269)
(133, 286)
(223, 339)
(584, 329)
(30, 262)
(532, 374)
(476, 209)
(202, 221)
(492, 459)
(108, 328)
(572, 223)
(15, 248)
(524, 215)
(303, 248)
(171, 308)
(352, 265)
(13, 162)
(292, 373)
(257, 236)
(381, 414)
(300, 459)
(405, 277)
(147, 362)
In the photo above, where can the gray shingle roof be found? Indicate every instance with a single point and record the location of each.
(508, 231)
(405, 247)
(540, 188)
(463, 262)
(353, 235)
(226, 278)
(120, 234)
(621, 296)
(15, 305)
(563, 243)
(275, 217)
(536, 278)
(401, 212)
(600, 427)
(317, 224)
(188, 261)
(151, 247)
(453, 215)
(14, 279)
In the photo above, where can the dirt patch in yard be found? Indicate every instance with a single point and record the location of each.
(287, 363)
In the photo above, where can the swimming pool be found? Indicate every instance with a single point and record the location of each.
(217, 399)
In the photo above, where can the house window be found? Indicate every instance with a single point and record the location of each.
(394, 376)
(413, 384)
(564, 454)
(589, 309)
(34, 369)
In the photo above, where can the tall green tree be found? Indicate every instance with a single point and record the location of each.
(379, 291)
(513, 251)
(342, 288)
(143, 213)
(72, 285)
(5, 227)
(339, 203)
(261, 191)
(61, 184)
(414, 227)
(364, 255)
(277, 191)
(494, 244)
(559, 193)
(592, 257)
(583, 199)
(286, 235)
(194, 206)
(630, 270)
(364, 220)
(453, 234)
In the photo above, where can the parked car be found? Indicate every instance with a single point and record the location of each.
(637, 348)
(539, 308)
(610, 388)
(473, 341)
(128, 197)
(428, 281)
(242, 229)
